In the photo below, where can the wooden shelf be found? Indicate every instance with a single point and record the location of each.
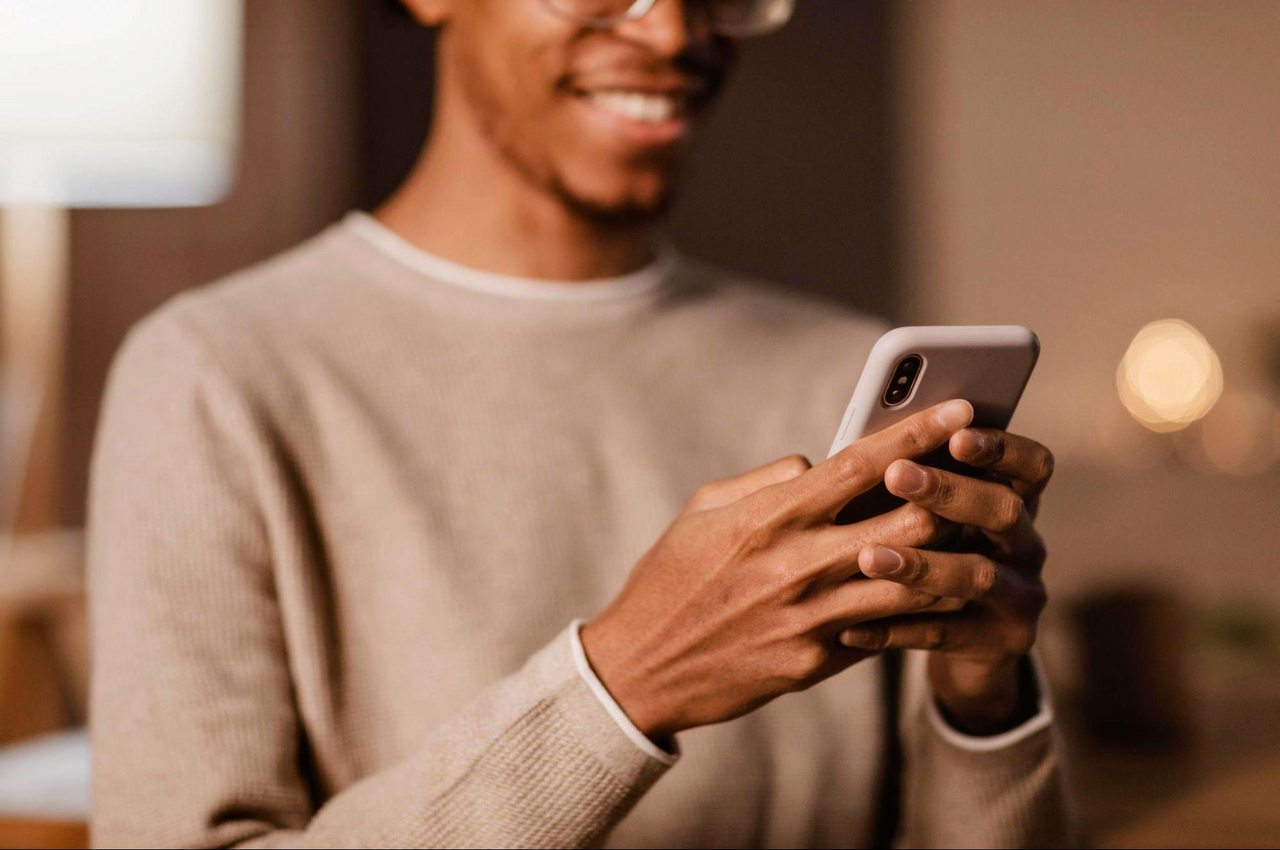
(42, 834)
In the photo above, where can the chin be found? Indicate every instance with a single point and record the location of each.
(627, 199)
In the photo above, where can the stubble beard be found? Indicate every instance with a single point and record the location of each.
(621, 216)
(542, 175)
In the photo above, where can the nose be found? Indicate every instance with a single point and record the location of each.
(668, 29)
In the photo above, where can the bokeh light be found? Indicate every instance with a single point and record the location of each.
(1239, 437)
(1170, 376)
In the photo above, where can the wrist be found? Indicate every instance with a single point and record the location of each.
(625, 682)
(980, 698)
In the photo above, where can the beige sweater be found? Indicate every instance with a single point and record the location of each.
(345, 506)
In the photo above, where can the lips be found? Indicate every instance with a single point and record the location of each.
(642, 96)
(645, 107)
(646, 110)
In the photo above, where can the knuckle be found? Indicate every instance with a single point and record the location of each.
(985, 578)
(872, 637)
(919, 600)
(784, 579)
(935, 636)
(1021, 639)
(946, 490)
(807, 662)
(922, 525)
(794, 465)
(850, 466)
(705, 494)
(1008, 514)
(916, 566)
(753, 536)
(785, 513)
(1045, 464)
(916, 433)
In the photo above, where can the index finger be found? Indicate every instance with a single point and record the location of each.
(832, 484)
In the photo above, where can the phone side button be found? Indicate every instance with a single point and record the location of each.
(848, 423)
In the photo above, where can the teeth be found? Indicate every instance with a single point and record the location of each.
(645, 107)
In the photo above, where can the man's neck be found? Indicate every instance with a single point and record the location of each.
(464, 203)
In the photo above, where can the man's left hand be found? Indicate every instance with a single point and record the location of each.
(976, 652)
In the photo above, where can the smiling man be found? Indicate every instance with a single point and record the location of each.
(349, 506)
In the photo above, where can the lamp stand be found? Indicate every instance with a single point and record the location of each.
(34, 274)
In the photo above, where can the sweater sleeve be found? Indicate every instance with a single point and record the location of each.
(196, 736)
(965, 791)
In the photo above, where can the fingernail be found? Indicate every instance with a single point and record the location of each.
(977, 443)
(955, 414)
(909, 479)
(882, 561)
(855, 637)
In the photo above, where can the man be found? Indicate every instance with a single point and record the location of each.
(347, 505)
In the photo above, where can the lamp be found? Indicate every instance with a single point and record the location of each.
(103, 103)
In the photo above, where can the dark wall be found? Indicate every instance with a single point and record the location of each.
(791, 179)
(396, 65)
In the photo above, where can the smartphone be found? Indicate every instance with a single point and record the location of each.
(912, 368)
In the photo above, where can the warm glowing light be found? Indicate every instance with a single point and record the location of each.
(120, 103)
(1170, 376)
(1239, 438)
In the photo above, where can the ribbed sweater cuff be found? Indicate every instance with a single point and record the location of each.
(548, 766)
(965, 791)
(988, 774)
(1002, 798)
(584, 722)
(1040, 721)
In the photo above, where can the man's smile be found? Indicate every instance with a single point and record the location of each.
(645, 112)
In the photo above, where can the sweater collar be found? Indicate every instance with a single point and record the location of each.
(437, 268)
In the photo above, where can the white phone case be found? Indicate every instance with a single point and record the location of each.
(988, 365)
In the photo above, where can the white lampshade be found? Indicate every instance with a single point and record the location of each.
(118, 102)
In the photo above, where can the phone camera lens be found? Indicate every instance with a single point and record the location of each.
(903, 380)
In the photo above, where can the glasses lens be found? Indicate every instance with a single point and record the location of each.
(739, 18)
(734, 18)
(600, 13)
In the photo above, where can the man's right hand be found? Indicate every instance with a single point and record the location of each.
(744, 596)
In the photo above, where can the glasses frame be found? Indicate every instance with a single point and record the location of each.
(639, 8)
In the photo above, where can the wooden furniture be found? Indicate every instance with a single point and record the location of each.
(1238, 810)
(43, 641)
(1214, 788)
(34, 252)
(42, 834)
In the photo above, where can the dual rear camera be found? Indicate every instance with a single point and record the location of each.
(903, 380)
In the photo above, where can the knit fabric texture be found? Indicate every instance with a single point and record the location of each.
(343, 511)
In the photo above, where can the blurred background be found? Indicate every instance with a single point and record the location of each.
(1104, 173)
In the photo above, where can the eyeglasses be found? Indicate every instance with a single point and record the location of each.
(732, 18)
